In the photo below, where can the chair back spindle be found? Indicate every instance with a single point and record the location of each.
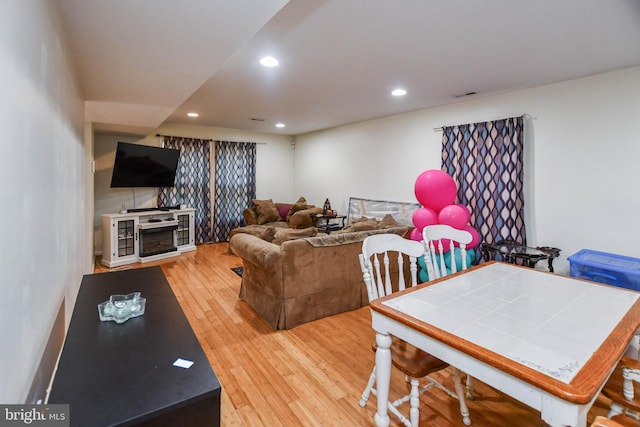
(435, 239)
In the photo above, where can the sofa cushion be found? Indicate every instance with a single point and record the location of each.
(265, 232)
(266, 211)
(285, 234)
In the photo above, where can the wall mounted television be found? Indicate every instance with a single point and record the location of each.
(144, 166)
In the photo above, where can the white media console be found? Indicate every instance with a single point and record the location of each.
(144, 236)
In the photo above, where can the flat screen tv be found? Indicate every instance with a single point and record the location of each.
(144, 166)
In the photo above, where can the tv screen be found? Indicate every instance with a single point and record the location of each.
(144, 166)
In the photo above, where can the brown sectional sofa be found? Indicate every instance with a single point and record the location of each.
(306, 278)
(295, 215)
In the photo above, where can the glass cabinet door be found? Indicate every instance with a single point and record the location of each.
(126, 237)
(182, 234)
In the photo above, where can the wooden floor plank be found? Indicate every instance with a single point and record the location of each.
(311, 375)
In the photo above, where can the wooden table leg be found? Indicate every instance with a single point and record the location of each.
(383, 377)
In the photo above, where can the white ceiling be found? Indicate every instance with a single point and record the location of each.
(143, 63)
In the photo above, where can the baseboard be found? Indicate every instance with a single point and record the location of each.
(42, 378)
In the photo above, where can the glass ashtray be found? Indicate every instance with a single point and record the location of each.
(121, 308)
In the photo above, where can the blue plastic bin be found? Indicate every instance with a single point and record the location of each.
(611, 269)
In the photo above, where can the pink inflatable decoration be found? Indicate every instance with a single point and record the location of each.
(454, 215)
(423, 217)
(467, 212)
(446, 246)
(435, 189)
(475, 237)
(416, 235)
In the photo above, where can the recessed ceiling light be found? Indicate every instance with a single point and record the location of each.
(269, 61)
(399, 92)
(279, 125)
(192, 114)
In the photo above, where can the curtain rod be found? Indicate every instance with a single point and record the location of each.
(173, 136)
(524, 116)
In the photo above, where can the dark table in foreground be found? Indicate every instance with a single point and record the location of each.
(123, 374)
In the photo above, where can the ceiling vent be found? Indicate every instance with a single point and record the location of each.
(462, 95)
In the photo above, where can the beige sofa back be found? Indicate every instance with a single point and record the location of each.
(297, 282)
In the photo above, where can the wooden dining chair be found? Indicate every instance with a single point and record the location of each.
(443, 239)
(389, 264)
(623, 389)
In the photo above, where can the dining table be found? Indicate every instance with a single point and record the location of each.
(547, 340)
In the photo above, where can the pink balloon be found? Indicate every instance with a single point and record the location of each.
(446, 245)
(423, 217)
(435, 189)
(454, 215)
(416, 235)
(467, 212)
(475, 237)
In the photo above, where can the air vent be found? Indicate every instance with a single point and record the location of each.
(462, 95)
(255, 119)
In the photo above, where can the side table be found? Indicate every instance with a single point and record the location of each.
(516, 253)
(327, 224)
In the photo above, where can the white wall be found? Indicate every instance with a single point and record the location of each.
(582, 151)
(274, 168)
(44, 174)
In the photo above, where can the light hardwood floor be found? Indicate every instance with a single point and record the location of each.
(312, 375)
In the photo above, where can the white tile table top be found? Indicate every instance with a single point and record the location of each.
(551, 323)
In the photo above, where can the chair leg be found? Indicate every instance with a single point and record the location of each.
(615, 409)
(469, 387)
(367, 391)
(464, 411)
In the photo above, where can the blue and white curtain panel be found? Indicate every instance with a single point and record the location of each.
(486, 162)
(192, 186)
(234, 185)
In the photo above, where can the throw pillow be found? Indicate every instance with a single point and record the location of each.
(268, 234)
(299, 205)
(283, 210)
(266, 211)
(388, 221)
(362, 218)
(304, 218)
(284, 234)
(250, 216)
(368, 224)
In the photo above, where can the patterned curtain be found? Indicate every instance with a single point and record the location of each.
(235, 185)
(192, 186)
(486, 162)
